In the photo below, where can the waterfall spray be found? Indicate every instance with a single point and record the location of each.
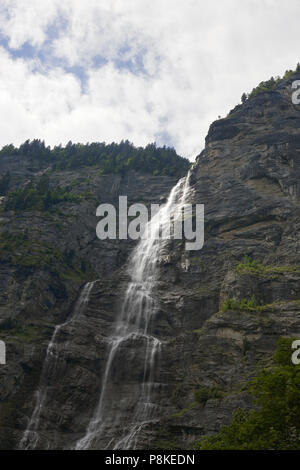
(134, 324)
(30, 437)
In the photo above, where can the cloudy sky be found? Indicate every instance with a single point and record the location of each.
(159, 70)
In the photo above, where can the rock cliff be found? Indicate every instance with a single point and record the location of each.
(213, 338)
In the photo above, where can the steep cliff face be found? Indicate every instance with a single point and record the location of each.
(248, 179)
(46, 260)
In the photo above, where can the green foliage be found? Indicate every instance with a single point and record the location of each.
(110, 158)
(255, 268)
(229, 304)
(26, 334)
(203, 394)
(244, 304)
(268, 85)
(4, 184)
(244, 97)
(198, 331)
(18, 249)
(11, 242)
(248, 264)
(185, 410)
(39, 197)
(282, 355)
(289, 73)
(275, 424)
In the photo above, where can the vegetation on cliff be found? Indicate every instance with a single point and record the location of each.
(244, 305)
(275, 424)
(110, 158)
(27, 254)
(253, 267)
(4, 183)
(268, 85)
(39, 196)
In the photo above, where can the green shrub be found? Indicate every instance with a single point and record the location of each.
(203, 394)
(275, 424)
(198, 331)
(39, 197)
(248, 262)
(282, 355)
(255, 268)
(229, 304)
(244, 304)
(268, 85)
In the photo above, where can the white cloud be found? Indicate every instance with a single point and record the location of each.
(27, 21)
(172, 66)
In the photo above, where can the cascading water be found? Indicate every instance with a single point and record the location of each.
(134, 326)
(31, 435)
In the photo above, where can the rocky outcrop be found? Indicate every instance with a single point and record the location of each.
(247, 178)
(38, 293)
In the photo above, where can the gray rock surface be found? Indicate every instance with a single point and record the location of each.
(248, 178)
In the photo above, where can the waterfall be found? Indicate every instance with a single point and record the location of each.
(134, 325)
(31, 435)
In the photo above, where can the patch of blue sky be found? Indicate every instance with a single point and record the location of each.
(134, 64)
(43, 56)
(164, 138)
(26, 51)
(98, 61)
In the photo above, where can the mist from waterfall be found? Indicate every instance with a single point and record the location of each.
(30, 437)
(134, 324)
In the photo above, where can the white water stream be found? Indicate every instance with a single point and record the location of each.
(31, 435)
(134, 323)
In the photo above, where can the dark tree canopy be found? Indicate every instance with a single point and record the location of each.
(110, 158)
